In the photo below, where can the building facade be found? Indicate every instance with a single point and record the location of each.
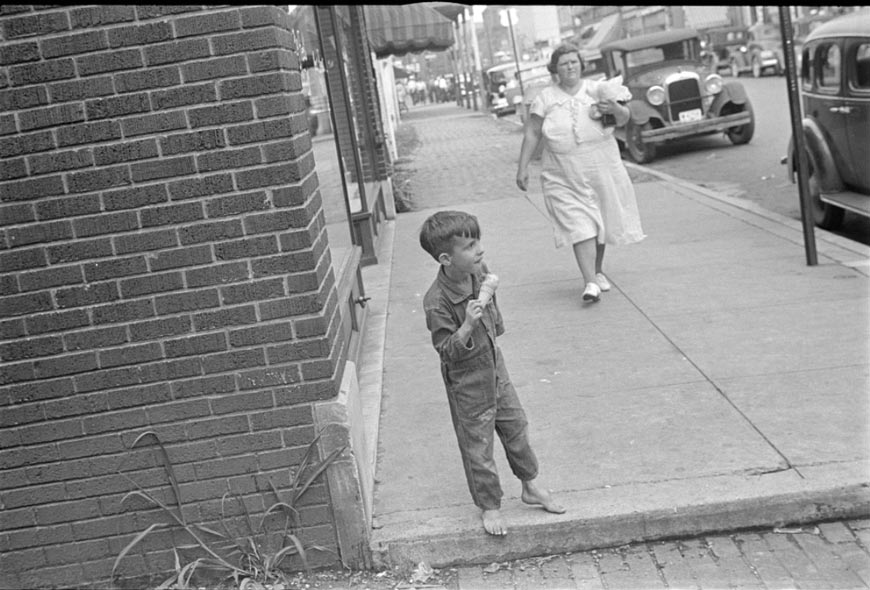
(167, 276)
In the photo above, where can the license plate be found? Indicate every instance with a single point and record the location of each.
(692, 115)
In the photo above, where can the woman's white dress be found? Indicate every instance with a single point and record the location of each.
(587, 190)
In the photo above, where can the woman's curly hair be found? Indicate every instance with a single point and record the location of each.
(561, 50)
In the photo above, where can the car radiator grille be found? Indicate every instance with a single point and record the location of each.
(683, 95)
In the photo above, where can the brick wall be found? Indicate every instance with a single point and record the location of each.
(164, 267)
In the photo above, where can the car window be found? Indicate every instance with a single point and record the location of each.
(593, 66)
(829, 66)
(807, 68)
(643, 57)
(654, 55)
(861, 79)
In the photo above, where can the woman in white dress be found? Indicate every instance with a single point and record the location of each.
(587, 190)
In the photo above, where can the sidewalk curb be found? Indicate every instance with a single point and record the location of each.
(448, 540)
(852, 249)
(821, 235)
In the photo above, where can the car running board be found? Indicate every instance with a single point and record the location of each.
(854, 202)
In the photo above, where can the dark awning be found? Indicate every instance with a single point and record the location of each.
(393, 29)
(397, 29)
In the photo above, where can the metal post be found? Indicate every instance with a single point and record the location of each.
(457, 65)
(478, 70)
(797, 134)
(516, 55)
(469, 87)
(463, 60)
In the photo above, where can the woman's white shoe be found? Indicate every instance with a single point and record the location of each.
(602, 282)
(592, 292)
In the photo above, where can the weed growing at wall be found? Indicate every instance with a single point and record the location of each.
(246, 552)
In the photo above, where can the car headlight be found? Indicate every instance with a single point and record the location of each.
(713, 84)
(655, 95)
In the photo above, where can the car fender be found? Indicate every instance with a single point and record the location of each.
(641, 112)
(828, 176)
(731, 92)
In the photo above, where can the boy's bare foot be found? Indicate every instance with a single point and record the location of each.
(535, 496)
(492, 523)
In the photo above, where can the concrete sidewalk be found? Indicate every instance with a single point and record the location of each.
(721, 384)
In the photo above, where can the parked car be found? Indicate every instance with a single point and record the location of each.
(534, 77)
(674, 94)
(503, 85)
(719, 46)
(835, 96)
(763, 53)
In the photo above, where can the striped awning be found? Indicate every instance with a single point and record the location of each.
(393, 29)
(397, 29)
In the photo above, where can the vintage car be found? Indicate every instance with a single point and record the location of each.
(674, 95)
(534, 77)
(835, 96)
(719, 46)
(503, 84)
(763, 52)
(497, 79)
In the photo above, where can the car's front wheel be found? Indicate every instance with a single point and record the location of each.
(825, 215)
(640, 152)
(743, 133)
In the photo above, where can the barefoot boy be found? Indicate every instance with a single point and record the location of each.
(482, 399)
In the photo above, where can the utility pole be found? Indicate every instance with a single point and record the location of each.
(470, 95)
(797, 133)
(478, 70)
(457, 64)
(514, 44)
(488, 35)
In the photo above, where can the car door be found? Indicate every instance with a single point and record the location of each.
(829, 108)
(857, 108)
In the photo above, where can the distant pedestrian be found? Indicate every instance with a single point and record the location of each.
(587, 191)
(402, 97)
(482, 399)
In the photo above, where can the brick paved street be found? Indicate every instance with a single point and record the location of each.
(832, 556)
(828, 555)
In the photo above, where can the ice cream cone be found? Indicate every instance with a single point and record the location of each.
(487, 288)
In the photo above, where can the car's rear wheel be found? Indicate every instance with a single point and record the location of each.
(825, 216)
(640, 152)
(743, 133)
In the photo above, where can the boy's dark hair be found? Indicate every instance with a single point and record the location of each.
(561, 50)
(440, 228)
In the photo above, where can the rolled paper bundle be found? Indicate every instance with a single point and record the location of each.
(487, 288)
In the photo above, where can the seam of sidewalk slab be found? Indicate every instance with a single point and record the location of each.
(852, 248)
